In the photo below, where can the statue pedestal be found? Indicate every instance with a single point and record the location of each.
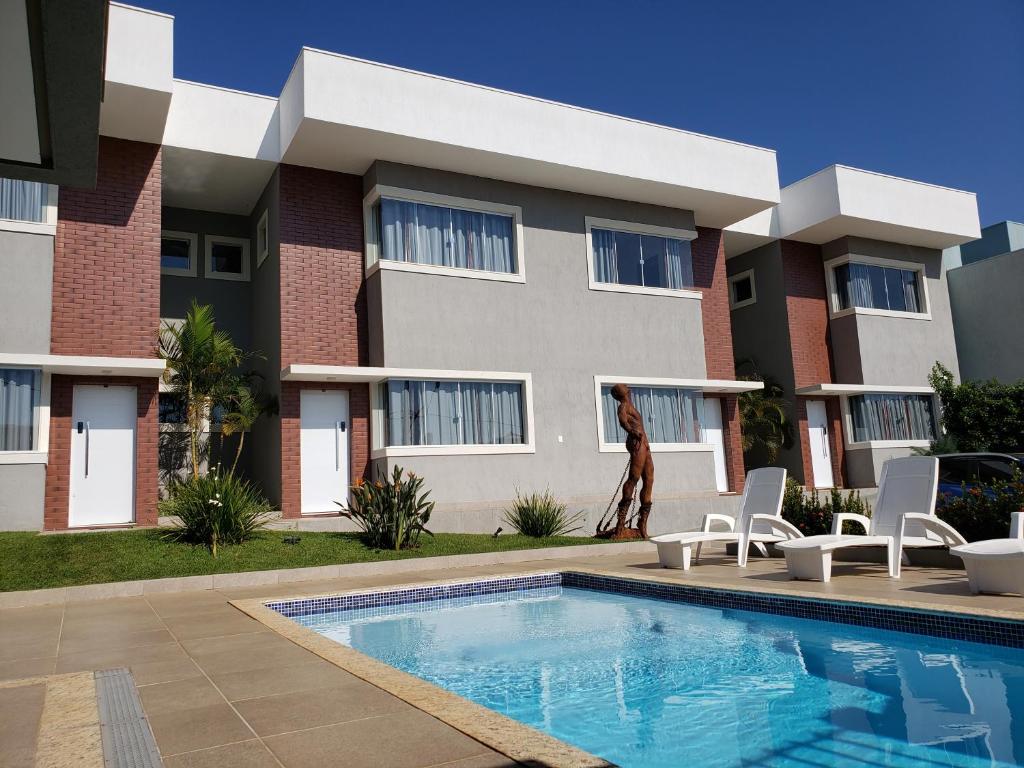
(629, 534)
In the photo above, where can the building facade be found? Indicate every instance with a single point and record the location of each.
(452, 295)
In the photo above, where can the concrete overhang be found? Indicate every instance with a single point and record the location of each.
(715, 386)
(861, 389)
(840, 201)
(51, 84)
(86, 366)
(370, 374)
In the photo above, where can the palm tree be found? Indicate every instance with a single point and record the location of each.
(200, 359)
(764, 425)
(244, 405)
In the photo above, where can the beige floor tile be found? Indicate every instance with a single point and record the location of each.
(226, 621)
(324, 706)
(16, 670)
(120, 607)
(161, 698)
(119, 657)
(79, 641)
(20, 711)
(490, 760)
(411, 740)
(178, 668)
(239, 653)
(186, 730)
(277, 680)
(186, 603)
(246, 754)
(29, 650)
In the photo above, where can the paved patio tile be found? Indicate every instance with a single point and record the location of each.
(287, 712)
(192, 692)
(408, 740)
(120, 657)
(246, 754)
(20, 712)
(34, 649)
(186, 730)
(112, 638)
(308, 676)
(16, 670)
(239, 653)
(178, 668)
(490, 760)
(226, 621)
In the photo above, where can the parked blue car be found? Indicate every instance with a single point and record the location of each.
(976, 469)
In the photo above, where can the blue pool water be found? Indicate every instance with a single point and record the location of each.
(642, 682)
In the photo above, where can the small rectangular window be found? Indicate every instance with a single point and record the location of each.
(892, 417)
(741, 290)
(671, 414)
(23, 200)
(419, 412)
(262, 240)
(419, 233)
(178, 253)
(651, 261)
(227, 258)
(19, 399)
(872, 286)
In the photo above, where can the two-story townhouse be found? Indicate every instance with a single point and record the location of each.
(838, 295)
(439, 275)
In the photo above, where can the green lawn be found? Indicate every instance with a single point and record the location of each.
(33, 561)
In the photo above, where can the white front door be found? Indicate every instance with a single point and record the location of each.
(102, 455)
(711, 432)
(821, 454)
(323, 450)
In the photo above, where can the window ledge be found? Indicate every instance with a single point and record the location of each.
(433, 269)
(31, 227)
(398, 451)
(679, 293)
(23, 457)
(661, 447)
(866, 444)
(868, 312)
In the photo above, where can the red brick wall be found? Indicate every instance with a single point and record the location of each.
(58, 470)
(323, 302)
(359, 437)
(807, 310)
(731, 438)
(106, 264)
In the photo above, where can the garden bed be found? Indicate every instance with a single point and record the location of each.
(34, 561)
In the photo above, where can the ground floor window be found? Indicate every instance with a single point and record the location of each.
(19, 398)
(892, 417)
(671, 414)
(423, 412)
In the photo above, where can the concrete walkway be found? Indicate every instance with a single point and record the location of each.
(220, 689)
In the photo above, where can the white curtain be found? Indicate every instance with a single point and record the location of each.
(892, 417)
(454, 413)
(678, 263)
(606, 267)
(670, 414)
(19, 394)
(910, 290)
(22, 200)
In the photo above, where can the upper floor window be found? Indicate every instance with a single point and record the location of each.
(28, 206)
(881, 287)
(636, 258)
(437, 413)
(178, 253)
(742, 292)
(20, 390)
(227, 258)
(892, 417)
(671, 414)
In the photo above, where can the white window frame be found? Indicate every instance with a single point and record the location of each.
(208, 272)
(40, 425)
(379, 426)
(747, 274)
(603, 446)
(193, 249)
(262, 230)
(912, 266)
(635, 228)
(375, 263)
(48, 226)
(847, 414)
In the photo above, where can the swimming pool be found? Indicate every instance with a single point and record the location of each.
(661, 681)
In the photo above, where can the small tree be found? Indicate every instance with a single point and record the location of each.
(243, 406)
(980, 415)
(764, 425)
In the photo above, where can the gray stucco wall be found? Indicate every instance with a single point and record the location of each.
(26, 290)
(893, 350)
(864, 465)
(22, 491)
(554, 327)
(988, 317)
(995, 240)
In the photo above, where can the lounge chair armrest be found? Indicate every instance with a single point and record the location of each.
(950, 536)
(843, 517)
(1017, 525)
(713, 517)
(778, 525)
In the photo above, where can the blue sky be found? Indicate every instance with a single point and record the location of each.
(927, 89)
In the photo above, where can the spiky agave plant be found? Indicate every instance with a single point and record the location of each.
(390, 513)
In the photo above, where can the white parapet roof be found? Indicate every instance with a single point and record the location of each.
(842, 201)
(341, 113)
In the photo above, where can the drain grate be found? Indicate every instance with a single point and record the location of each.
(127, 738)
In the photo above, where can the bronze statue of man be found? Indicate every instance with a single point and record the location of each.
(641, 464)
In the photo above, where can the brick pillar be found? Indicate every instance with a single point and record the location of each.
(58, 470)
(733, 443)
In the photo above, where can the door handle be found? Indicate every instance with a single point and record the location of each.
(87, 449)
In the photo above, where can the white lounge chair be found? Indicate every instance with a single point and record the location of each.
(758, 523)
(904, 517)
(996, 565)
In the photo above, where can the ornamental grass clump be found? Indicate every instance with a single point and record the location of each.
(391, 513)
(214, 509)
(541, 515)
(812, 516)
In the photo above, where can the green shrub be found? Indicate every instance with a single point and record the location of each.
(391, 514)
(812, 516)
(983, 512)
(214, 509)
(541, 515)
(980, 415)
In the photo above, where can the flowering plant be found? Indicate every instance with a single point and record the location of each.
(391, 513)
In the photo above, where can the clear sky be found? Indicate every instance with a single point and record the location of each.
(927, 89)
